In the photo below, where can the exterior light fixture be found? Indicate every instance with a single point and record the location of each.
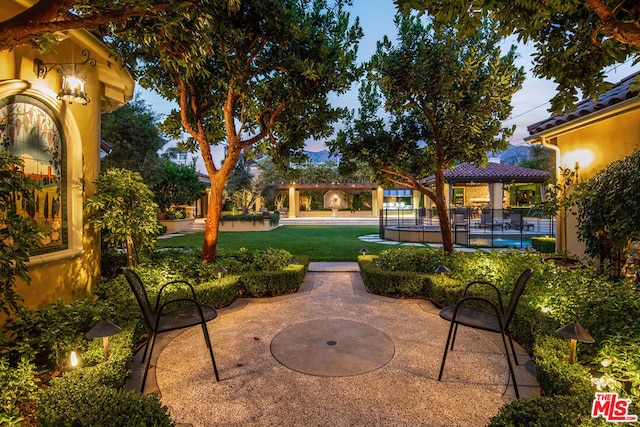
(292, 261)
(103, 329)
(575, 333)
(442, 269)
(364, 251)
(220, 269)
(73, 360)
(73, 88)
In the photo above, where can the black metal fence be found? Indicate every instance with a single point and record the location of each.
(472, 226)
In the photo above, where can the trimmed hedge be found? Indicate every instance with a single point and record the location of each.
(543, 244)
(559, 411)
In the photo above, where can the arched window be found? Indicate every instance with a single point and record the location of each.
(29, 129)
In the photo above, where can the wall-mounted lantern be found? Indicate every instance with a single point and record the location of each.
(73, 88)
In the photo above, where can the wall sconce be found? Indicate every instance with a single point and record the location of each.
(73, 82)
(104, 329)
(575, 333)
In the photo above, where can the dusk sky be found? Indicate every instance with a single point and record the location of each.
(530, 104)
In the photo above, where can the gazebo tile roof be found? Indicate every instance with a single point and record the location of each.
(492, 172)
(621, 91)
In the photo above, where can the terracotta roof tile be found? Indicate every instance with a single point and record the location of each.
(621, 91)
(493, 172)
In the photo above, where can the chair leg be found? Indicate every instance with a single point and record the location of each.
(455, 333)
(446, 350)
(513, 376)
(513, 350)
(146, 366)
(205, 331)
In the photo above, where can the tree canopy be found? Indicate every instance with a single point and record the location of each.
(446, 97)
(40, 24)
(574, 41)
(255, 75)
(134, 137)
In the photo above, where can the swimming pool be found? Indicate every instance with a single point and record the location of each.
(499, 242)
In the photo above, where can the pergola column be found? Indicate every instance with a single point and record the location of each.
(293, 201)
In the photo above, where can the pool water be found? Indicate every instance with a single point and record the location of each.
(485, 242)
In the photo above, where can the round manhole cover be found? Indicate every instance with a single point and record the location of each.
(332, 348)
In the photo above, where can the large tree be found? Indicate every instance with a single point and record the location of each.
(255, 75)
(37, 25)
(134, 137)
(445, 97)
(574, 40)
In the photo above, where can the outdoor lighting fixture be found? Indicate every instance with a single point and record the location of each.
(73, 360)
(364, 251)
(442, 269)
(575, 333)
(220, 269)
(73, 81)
(104, 329)
(293, 261)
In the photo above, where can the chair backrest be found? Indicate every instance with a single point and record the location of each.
(459, 219)
(485, 218)
(516, 218)
(518, 289)
(141, 296)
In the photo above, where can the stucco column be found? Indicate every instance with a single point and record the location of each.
(496, 195)
(293, 201)
(448, 194)
(416, 199)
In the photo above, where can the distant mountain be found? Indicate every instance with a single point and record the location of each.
(514, 154)
(511, 156)
(321, 156)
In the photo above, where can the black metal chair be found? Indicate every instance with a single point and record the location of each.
(170, 315)
(496, 319)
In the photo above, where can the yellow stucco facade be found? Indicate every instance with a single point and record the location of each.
(72, 271)
(591, 142)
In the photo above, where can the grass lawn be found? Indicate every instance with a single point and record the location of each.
(319, 243)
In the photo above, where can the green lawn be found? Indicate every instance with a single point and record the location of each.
(319, 243)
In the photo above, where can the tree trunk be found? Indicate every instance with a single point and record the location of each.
(443, 212)
(213, 221)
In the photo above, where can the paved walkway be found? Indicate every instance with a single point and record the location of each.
(397, 387)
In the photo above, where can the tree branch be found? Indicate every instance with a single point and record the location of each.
(625, 32)
(49, 16)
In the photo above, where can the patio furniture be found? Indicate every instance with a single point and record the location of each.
(518, 223)
(170, 315)
(487, 221)
(494, 319)
(459, 221)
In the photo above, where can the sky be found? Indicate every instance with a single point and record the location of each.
(530, 104)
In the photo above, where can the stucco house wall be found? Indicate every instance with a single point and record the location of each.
(592, 137)
(72, 271)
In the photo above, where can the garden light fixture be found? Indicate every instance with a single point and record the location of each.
(364, 251)
(442, 269)
(575, 333)
(220, 269)
(104, 329)
(292, 261)
(73, 360)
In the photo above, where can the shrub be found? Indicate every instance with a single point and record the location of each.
(543, 244)
(273, 283)
(16, 384)
(560, 411)
(555, 374)
(73, 401)
(407, 284)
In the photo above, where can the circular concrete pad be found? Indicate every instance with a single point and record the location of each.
(332, 348)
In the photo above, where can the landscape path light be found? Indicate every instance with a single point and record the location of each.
(220, 270)
(104, 329)
(442, 269)
(575, 333)
(364, 251)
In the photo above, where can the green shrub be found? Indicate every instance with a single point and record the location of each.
(559, 411)
(419, 260)
(544, 244)
(406, 284)
(74, 401)
(555, 374)
(273, 283)
(16, 384)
